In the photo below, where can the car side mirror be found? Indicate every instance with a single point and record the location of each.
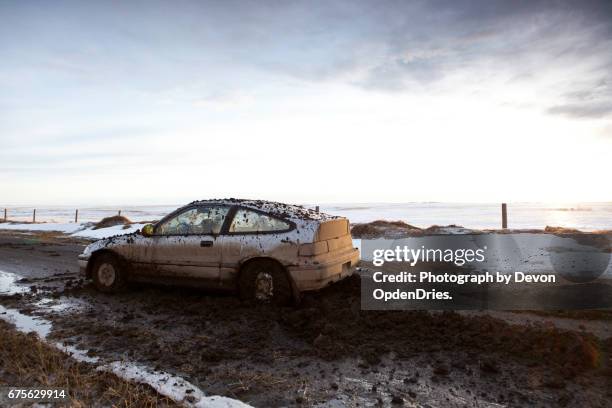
(147, 230)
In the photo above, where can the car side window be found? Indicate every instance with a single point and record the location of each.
(195, 221)
(246, 221)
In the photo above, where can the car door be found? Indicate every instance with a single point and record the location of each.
(252, 233)
(187, 245)
(140, 253)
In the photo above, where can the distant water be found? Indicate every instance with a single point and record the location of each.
(583, 216)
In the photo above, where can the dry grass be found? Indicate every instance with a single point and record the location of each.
(28, 362)
(385, 223)
(561, 230)
(112, 221)
(242, 382)
(382, 228)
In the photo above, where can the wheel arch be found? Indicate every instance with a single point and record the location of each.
(249, 261)
(94, 257)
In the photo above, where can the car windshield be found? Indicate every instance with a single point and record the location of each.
(195, 221)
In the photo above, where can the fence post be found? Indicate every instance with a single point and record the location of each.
(317, 208)
(119, 213)
(5, 215)
(504, 216)
(76, 216)
(34, 216)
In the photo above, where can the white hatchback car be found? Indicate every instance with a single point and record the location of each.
(264, 250)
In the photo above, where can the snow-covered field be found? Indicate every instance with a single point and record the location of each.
(582, 216)
(83, 230)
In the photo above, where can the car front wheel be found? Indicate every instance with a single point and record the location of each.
(108, 273)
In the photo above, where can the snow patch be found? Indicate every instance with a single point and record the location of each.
(83, 230)
(69, 228)
(171, 386)
(24, 323)
(8, 284)
(108, 232)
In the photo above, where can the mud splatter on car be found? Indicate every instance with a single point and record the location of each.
(263, 250)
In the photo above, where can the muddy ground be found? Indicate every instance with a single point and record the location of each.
(25, 359)
(326, 352)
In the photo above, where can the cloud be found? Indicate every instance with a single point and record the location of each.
(590, 99)
(606, 131)
(584, 110)
(490, 38)
(384, 45)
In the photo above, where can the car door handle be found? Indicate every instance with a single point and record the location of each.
(206, 243)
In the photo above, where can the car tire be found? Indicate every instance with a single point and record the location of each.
(265, 282)
(108, 273)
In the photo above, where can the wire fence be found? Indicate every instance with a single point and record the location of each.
(86, 214)
(81, 215)
(584, 217)
(138, 214)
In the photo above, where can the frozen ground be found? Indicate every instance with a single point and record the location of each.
(326, 353)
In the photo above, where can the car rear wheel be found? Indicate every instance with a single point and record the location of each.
(108, 273)
(265, 282)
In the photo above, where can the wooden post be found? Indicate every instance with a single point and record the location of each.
(34, 216)
(76, 216)
(504, 216)
(5, 215)
(119, 213)
(317, 208)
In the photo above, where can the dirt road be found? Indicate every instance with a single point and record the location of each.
(326, 352)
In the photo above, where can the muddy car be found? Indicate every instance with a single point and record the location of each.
(262, 250)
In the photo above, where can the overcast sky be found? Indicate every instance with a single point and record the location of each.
(136, 103)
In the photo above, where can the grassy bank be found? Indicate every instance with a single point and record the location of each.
(26, 361)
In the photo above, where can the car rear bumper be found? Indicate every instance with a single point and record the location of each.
(314, 277)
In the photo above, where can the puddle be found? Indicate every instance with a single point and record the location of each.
(24, 323)
(60, 305)
(9, 285)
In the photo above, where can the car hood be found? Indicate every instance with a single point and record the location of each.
(110, 242)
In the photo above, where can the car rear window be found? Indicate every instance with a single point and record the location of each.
(246, 221)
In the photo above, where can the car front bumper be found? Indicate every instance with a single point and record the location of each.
(83, 261)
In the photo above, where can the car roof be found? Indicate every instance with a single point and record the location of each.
(282, 210)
